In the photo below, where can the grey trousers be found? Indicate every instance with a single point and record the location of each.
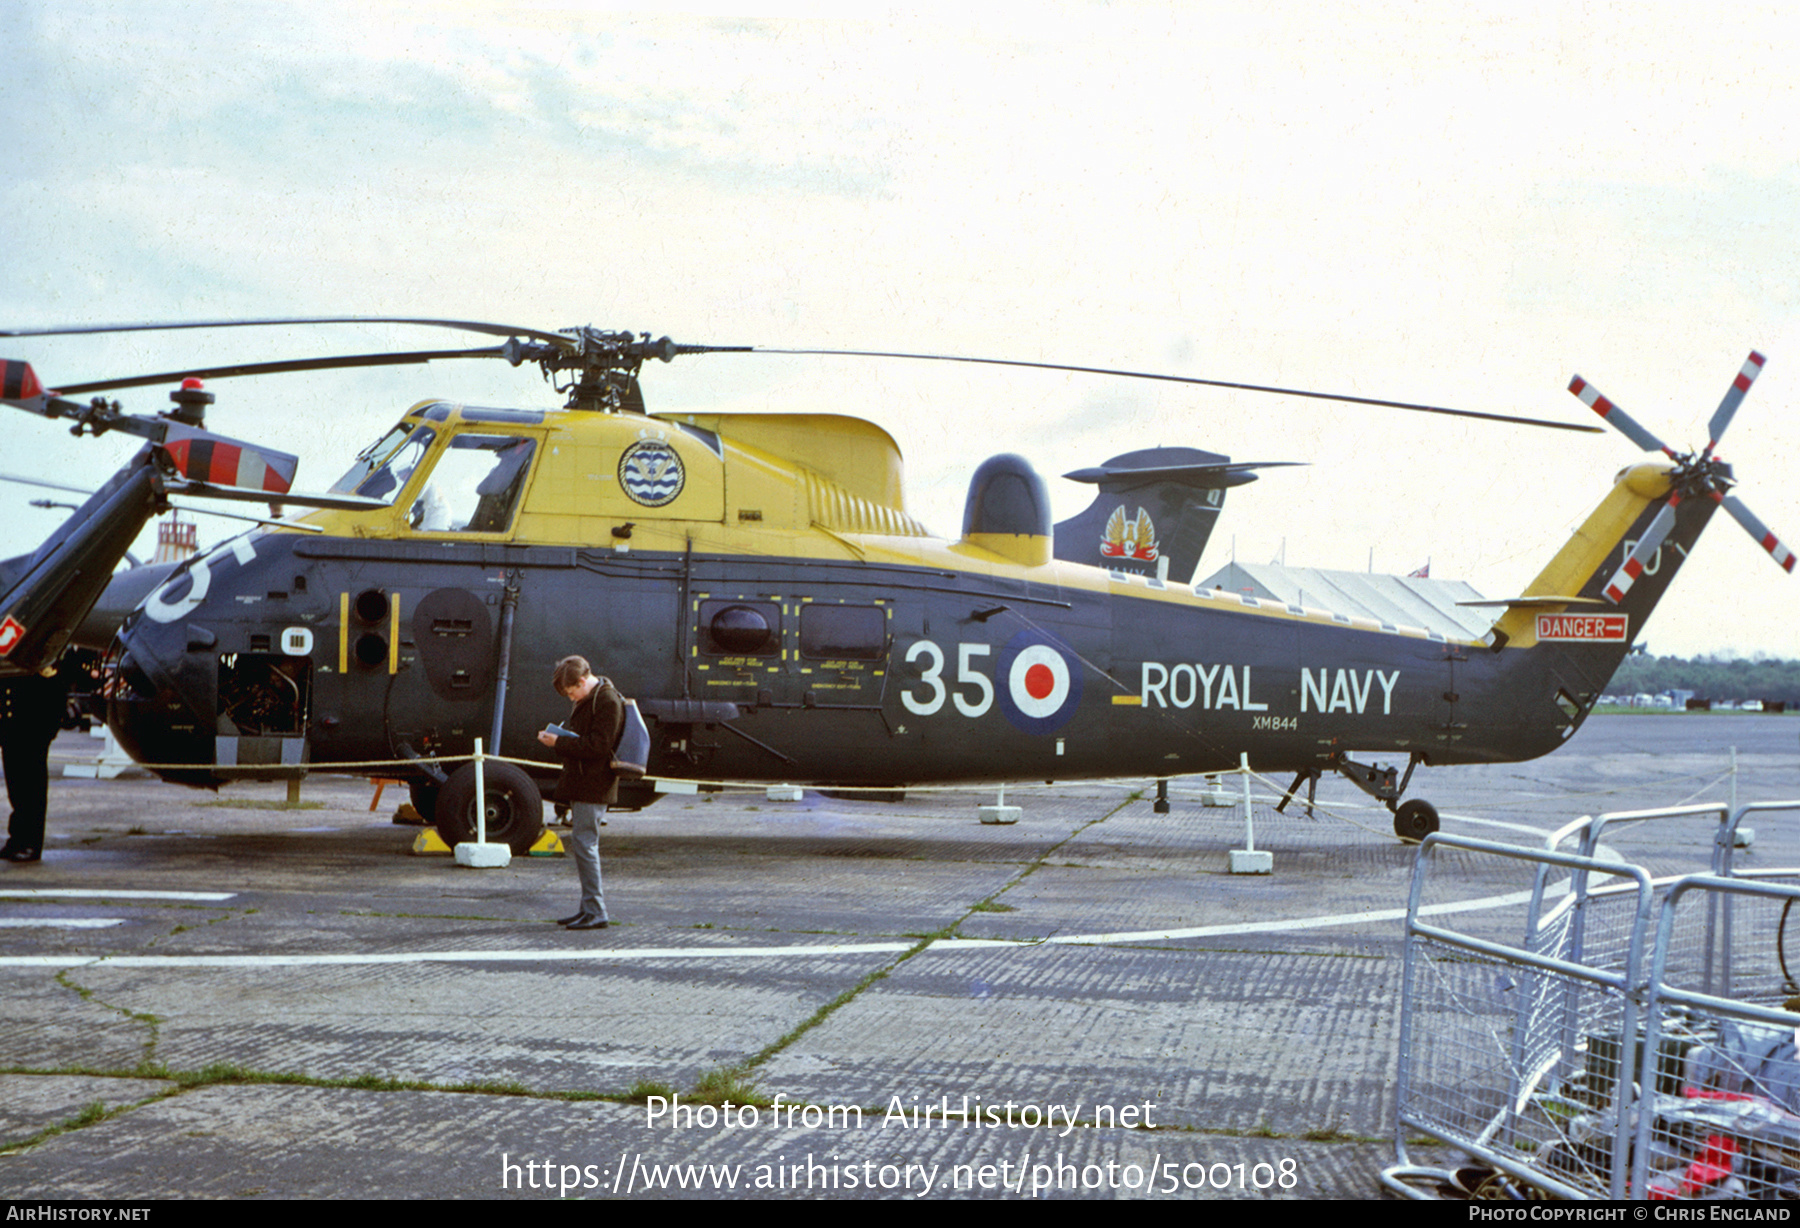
(584, 839)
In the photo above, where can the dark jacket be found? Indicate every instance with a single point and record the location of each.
(32, 708)
(587, 774)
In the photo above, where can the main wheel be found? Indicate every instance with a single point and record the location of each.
(424, 795)
(515, 808)
(1415, 820)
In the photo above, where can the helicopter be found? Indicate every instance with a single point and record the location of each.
(754, 582)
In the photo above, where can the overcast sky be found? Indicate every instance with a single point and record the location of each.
(1425, 202)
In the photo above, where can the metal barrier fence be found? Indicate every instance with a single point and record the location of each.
(1596, 1032)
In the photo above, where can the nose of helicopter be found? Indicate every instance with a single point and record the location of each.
(160, 704)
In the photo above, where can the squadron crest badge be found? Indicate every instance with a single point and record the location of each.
(651, 473)
(1129, 539)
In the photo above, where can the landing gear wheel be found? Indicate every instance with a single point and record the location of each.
(1415, 820)
(424, 795)
(515, 808)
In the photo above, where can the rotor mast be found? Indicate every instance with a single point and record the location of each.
(601, 367)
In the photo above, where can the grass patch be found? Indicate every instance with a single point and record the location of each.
(729, 1083)
(644, 1089)
(250, 803)
(95, 1112)
(991, 906)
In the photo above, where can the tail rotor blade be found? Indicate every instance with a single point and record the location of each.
(1646, 549)
(1778, 551)
(1623, 422)
(1734, 397)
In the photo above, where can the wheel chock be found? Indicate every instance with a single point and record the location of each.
(429, 843)
(548, 845)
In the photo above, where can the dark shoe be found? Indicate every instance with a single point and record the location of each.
(15, 853)
(570, 920)
(589, 923)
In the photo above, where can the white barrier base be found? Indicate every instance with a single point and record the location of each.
(1214, 794)
(483, 856)
(1247, 862)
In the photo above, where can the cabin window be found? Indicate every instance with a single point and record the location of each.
(383, 468)
(740, 628)
(475, 485)
(844, 632)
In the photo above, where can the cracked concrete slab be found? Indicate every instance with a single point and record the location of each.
(831, 950)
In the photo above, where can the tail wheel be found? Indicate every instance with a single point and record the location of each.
(515, 808)
(1415, 820)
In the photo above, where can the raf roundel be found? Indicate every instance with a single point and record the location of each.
(651, 473)
(1040, 682)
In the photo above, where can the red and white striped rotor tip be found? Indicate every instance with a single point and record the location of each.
(1617, 418)
(1734, 397)
(1646, 548)
(1777, 549)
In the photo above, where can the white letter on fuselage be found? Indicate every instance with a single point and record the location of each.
(1147, 689)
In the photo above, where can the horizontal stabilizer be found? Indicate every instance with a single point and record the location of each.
(1113, 477)
(1532, 603)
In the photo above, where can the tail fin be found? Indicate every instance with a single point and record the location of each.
(1155, 509)
(1568, 606)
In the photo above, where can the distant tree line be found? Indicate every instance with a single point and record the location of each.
(1709, 677)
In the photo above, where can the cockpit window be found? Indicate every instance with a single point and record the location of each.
(475, 486)
(384, 467)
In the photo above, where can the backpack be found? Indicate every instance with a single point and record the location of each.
(631, 753)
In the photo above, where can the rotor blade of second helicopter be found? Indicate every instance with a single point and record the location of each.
(1209, 383)
(470, 326)
(276, 368)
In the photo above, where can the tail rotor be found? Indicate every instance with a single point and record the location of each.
(1695, 475)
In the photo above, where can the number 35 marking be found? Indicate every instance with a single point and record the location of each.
(966, 676)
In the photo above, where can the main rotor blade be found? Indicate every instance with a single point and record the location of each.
(239, 494)
(1783, 556)
(1734, 397)
(1189, 379)
(1618, 418)
(471, 326)
(261, 497)
(1646, 548)
(22, 480)
(275, 368)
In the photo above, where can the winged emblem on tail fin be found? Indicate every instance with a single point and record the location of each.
(1129, 539)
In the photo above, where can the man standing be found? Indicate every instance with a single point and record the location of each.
(587, 782)
(31, 714)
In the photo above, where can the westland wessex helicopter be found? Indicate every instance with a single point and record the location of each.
(755, 583)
